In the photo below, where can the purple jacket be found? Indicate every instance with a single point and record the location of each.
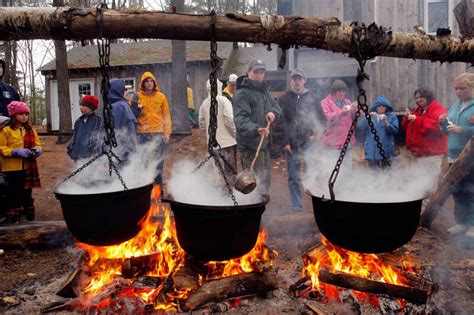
(337, 126)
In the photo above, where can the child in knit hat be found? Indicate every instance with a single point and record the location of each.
(86, 139)
(19, 147)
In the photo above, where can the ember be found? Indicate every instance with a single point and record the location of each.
(151, 271)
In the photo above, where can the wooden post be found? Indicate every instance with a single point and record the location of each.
(458, 170)
(329, 33)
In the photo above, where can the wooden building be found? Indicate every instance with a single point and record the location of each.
(395, 78)
(128, 61)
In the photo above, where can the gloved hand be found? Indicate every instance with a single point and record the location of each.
(21, 153)
(36, 152)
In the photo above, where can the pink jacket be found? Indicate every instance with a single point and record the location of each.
(337, 126)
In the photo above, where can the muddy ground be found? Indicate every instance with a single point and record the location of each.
(31, 275)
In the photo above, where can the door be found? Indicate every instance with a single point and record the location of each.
(77, 89)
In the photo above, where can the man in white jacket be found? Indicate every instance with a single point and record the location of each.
(225, 133)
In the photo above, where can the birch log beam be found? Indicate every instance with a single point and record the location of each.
(329, 34)
(461, 167)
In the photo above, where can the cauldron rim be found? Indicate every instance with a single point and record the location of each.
(364, 202)
(170, 200)
(57, 193)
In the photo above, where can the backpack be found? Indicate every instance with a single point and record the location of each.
(135, 109)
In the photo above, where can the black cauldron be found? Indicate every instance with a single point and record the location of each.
(217, 232)
(367, 227)
(105, 219)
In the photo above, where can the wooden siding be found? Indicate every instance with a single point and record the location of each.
(395, 78)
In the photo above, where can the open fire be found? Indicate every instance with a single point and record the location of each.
(328, 269)
(111, 273)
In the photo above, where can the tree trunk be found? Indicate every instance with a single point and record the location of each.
(64, 99)
(329, 34)
(179, 100)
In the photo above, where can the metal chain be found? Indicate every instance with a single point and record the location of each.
(213, 147)
(359, 36)
(103, 45)
(84, 166)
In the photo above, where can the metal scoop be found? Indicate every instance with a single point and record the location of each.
(246, 180)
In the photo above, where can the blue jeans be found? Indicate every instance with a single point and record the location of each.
(294, 164)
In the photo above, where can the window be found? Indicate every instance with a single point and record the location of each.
(84, 89)
(437, 15)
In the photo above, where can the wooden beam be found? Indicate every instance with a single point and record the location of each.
(330, 34)
(461, 167)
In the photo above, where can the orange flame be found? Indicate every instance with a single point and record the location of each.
(368, 266)
(105, 263)
(247, 263)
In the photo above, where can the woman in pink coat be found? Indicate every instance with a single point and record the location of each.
(339, 113)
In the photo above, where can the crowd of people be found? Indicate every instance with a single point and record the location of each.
(246, 112)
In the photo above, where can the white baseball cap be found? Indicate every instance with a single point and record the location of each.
(232, 78)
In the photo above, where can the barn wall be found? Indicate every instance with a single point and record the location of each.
(395, 78)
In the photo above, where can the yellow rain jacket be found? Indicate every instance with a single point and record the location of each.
(13, 139)
(155, 116)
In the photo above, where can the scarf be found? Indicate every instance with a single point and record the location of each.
(31, 166)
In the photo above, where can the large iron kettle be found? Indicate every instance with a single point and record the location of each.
(367, 227)
(105, 219)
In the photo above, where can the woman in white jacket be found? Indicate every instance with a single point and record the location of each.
(225, 133)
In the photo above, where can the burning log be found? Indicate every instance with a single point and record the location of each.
(299, 287)
(234, 286)
(348, 281)
(139, 266)
(330, 34)
(146, 282)
(36, 235)
(186, 278)
(458, 170)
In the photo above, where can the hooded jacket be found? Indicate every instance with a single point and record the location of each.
(252, 102)
(225, 133)
(337, 126)
(456, 142)
(302, 115)
(7, 93)
(423, 136)
(87, 137)
(385, 131)
(155, 115)
(124, 120)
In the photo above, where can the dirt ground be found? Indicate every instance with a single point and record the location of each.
(25, 273)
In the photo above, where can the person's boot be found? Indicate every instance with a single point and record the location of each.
(458, 228)
(470, 231)
(30, 213)
(13, 215)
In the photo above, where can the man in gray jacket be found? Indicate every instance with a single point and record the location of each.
(253, 108)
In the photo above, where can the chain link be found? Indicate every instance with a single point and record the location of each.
(213, 147)
(361, 54)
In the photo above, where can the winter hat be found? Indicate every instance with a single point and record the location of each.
(232, 79)
(90, 101)
(15, 108)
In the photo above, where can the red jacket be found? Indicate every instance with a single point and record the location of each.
(423, 135)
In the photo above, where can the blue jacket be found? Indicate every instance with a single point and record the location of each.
(87, 138)
(124, 121)
(7, 93)
(386, 132)
(456, 142)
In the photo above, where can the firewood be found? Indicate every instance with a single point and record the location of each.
(217, 290)
(311, 255)
(461, 167)
(64, 23)
(302, 285)
(36, 235)
(185, 277)
(316, 309)
(61, 306)
(146, 282)
(71, 288)
(138, 266)
(348, 281)
(463, 264)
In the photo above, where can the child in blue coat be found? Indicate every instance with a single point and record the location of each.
(386, 124)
